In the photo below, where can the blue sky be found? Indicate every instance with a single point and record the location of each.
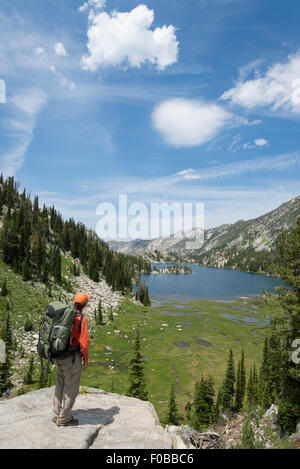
(194, 101)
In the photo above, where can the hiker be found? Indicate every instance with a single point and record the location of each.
(70, 365)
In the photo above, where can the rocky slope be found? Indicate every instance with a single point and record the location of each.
(28, 300)
(259, 233)
(106, 421)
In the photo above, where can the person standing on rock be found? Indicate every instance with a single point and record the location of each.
(69, 368)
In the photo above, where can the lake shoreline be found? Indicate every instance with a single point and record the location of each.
(209, 283)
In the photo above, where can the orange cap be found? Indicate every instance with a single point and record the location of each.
(81, 298)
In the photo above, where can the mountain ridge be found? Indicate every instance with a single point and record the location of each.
(258, 234)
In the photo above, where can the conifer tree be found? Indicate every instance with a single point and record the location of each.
(26, 273)
(99, 314)
(5, 368)
(57, 266)
(137, 383)
(7, 337)
(247, 438)
(227, 391)
(28, 377)
(172, 417)
(243, 376)
(238, 392)
(203, 403)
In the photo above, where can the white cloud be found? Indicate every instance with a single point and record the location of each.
(62, 79)
(60, 50)
(245, 71)
(187, 123)
(258, 142)
(278, 89)
(277, 163)
(93, 4)
(29, 101)
(24, 108)
(118, 39)
(261, 142)
(39, 50)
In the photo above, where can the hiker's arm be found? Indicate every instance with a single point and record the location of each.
(84, 342)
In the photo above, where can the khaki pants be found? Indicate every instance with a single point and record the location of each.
(67, 387)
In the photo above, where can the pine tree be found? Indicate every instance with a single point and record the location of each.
(286, 416)
(45, 273)
(5, 368)
(238, 392)
(28, 377)
(252, 388)
(247, 438)
(203, 414)
(227, 392)
(7, 337)
(57, 266)
(172, 417)
(243, 377)
(285, 327)
(26, 273)
(137, 384)
(99, 314)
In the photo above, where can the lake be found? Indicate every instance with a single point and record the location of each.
(208, 283)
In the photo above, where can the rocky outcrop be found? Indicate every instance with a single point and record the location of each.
(189, 438)
(106, 420)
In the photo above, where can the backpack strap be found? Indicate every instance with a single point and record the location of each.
(81, 319)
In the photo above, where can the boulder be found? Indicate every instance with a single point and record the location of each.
(106, 420)
(272, 413)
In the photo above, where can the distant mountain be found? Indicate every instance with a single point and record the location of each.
(258, 234)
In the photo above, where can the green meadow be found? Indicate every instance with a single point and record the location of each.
(179, 341)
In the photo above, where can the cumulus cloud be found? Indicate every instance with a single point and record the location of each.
(60, 50)
(261, 142)
(278, 89)
(258, 142)
(118, 39)
(187, 123)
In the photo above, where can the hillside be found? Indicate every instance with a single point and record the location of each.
(42, 258)
(221, 244)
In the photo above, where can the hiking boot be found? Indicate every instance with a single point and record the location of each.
(70, 423)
